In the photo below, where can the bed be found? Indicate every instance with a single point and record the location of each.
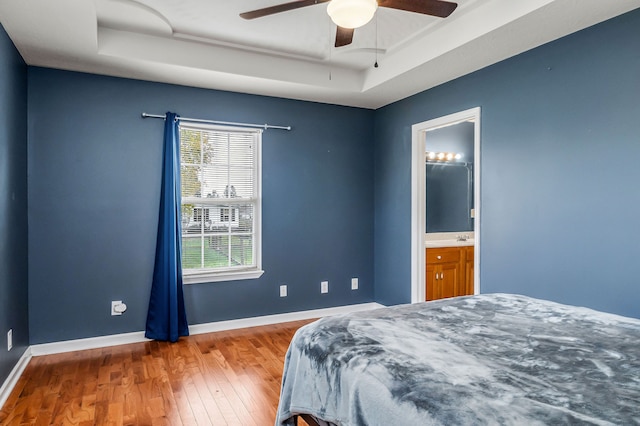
(485, 359)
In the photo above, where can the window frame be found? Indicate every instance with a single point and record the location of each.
(204, 275)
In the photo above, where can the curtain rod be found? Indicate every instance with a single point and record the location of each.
(228, 123)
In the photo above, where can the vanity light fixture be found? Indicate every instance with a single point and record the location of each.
(443, 157)
(351, 13)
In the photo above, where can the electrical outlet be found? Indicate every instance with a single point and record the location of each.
(117, 307)
(324, 287)
(354, 283)
(9, 339)
(283, 291)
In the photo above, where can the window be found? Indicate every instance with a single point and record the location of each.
(226, 214)
(197, 214)
(221, 196)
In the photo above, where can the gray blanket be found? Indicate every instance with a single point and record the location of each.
(486, 359)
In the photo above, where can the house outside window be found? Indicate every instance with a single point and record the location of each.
(221, 203)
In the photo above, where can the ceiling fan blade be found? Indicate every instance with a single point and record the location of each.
(344, 36)
(259, 13)
(438, 8)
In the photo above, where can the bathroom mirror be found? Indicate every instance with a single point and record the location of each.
(449, 160)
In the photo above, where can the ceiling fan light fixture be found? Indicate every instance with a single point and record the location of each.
(351, 13)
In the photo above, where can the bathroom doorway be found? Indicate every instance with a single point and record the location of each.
(419, 199)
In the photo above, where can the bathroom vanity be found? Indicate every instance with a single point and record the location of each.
(449, 267)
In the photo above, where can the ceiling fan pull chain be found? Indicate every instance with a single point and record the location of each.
(376, 64)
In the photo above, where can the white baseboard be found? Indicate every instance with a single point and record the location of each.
(10, 383)
(279, 318)
(89, 343)
(136, 337)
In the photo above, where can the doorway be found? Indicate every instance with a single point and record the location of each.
(418, 197)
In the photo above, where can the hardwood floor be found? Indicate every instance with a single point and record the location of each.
(224, 378)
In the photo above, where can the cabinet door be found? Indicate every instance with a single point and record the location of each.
(469, 272)
(431, 290)
(449, 280)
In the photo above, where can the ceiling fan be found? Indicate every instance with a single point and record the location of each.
(351, 14)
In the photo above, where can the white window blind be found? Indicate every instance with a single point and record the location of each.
(221, 196)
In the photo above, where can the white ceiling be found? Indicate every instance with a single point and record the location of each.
(204, 43)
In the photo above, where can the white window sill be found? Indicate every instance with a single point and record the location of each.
(212, 277)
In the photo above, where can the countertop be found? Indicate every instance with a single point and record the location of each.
(449, 239)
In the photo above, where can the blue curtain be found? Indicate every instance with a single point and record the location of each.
(167, 318)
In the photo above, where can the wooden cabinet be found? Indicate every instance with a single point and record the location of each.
(449, 272)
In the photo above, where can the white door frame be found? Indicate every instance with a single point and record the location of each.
(418, 197)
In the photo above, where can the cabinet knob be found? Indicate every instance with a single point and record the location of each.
(438, 257)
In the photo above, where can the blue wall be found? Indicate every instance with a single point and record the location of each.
(94, 170)
(13, 205)
(559, 173)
